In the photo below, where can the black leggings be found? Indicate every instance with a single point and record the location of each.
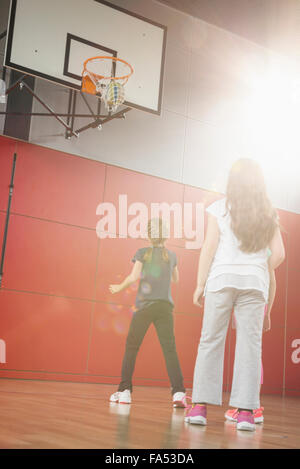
(160, 314)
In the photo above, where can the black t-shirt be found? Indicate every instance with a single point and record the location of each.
(155, 282)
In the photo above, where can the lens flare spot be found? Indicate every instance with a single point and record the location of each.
(121, 324)
(155, 271)
(132, 310)
(146, 288)
(103, 322)
(114, 308)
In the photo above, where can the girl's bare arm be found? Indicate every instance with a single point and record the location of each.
(272, 292)
(277, 249)
(208, 250)
(175, 275)
(207, 254)
(131, 278)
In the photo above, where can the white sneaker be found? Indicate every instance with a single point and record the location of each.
(114, 397)
(178, 399)
(123, 397)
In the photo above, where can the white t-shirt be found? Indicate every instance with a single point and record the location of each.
(232, 267)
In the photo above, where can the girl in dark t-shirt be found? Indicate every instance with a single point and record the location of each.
(156, 267)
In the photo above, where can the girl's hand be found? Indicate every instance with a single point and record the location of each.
(198, 293)
(267, 323)
(114, 289)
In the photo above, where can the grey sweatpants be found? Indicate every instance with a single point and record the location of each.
(248, 308)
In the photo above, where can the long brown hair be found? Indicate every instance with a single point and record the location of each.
(253, 218)
(155, 235)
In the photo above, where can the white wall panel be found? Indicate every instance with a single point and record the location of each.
(177, 80)
(142, 142)
(209, 153)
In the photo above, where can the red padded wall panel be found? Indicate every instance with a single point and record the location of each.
(293, 297)
(142, 188)
(195, 194)
(278, 312)
(57, 186)
(292, 361)
(292, 356)
(46, 255)
(109, 330)
(187, 333)
(50, 258)
(2, 225)
(114, 264)
(44, 333)
(188, 267)
(273, 360)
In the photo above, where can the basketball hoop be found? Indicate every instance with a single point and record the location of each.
(99, 78)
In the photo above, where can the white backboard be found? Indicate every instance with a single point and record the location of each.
(52, 39)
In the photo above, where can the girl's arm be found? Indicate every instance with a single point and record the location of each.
(131, 278)
(277, 249)
(207, 254)
(272, 290)
(175, 275)
(272, 293)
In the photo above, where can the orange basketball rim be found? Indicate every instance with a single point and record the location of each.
(91, 78)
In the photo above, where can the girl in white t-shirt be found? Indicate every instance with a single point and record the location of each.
(234, 273)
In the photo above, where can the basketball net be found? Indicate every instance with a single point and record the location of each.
(99, 78)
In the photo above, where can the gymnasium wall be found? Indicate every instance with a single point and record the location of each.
(208, 118)
(58, 320)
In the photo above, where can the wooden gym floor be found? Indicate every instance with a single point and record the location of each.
(59, 415)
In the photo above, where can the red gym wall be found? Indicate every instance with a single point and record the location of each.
(58, 320)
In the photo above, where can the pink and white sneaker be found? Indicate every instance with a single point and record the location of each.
(245, 421)
(232, 414)
(196, 413)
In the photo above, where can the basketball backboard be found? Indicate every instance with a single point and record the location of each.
(52, 39)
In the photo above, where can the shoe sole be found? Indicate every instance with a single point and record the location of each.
(246, 426)
(120, 402)
(196, 420)
(231, 419)
(256, 420)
